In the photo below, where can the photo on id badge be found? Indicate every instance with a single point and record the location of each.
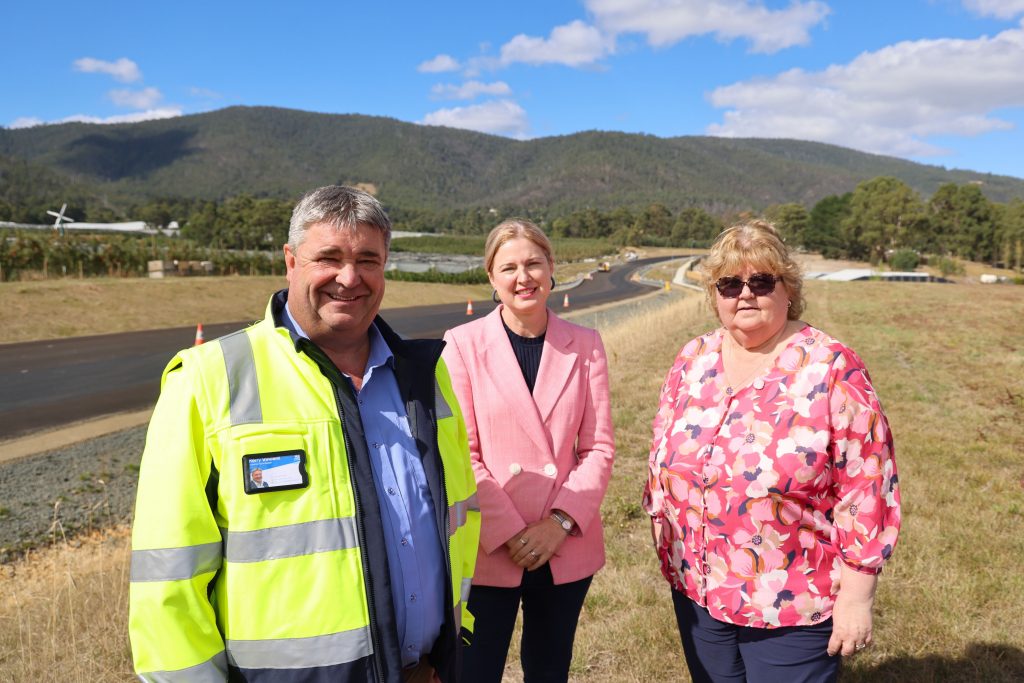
(280, 471)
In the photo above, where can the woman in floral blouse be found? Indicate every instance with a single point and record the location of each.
(772, 490)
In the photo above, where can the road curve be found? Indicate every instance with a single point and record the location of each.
(47, 384)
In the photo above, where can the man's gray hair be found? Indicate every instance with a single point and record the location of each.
(340, 206)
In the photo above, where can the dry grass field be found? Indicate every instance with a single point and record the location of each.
(948, 363)
(48, 309)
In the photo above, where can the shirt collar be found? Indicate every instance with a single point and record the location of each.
(380, 352)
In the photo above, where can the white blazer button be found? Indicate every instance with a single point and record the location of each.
(515, 468)
(759, 384)
(550, 470)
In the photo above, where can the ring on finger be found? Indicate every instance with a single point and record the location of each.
(860, 646)
(522, 541)
(534, 553)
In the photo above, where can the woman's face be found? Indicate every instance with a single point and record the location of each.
(751, 315)
(521, 275)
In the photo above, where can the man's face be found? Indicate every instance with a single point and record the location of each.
(257, 476)
(336, 281)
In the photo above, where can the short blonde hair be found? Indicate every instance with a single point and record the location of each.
(756, 244)
(511, 229)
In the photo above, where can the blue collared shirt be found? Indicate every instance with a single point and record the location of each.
(415, 559)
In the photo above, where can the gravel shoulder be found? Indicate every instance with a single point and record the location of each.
(79, 487)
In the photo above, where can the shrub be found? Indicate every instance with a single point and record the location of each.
(904, 260)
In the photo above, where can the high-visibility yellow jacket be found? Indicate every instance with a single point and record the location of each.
(285, 585)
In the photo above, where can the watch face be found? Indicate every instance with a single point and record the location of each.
(566, 525)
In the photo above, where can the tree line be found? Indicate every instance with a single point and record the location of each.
(882, 219)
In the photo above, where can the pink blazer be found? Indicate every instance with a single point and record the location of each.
(533, 454)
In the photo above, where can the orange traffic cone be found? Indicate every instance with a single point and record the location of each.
(469, 307)
(565, 301)
(199, 334)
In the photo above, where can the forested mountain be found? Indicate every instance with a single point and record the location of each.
(278, 153)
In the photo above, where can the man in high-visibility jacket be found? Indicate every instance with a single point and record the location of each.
(349, 555)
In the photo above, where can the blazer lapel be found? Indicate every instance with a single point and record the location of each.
(556, 364)
(507, 380)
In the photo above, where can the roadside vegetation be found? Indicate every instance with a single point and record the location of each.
(950, 373)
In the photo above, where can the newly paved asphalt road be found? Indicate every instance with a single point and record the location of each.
(51, 383)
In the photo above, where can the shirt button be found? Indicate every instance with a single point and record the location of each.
(391, 490)
(515, 468)
(706, 478)
(550, 470)
(405, 541)
(412, 598)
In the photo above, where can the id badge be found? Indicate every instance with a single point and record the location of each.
(278, 471)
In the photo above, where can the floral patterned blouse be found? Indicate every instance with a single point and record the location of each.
(762, 493)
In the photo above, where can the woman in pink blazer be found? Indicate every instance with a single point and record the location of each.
(534, 392)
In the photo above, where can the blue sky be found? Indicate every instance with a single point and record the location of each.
(937, 81)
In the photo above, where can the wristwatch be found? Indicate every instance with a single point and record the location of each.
(562, 520)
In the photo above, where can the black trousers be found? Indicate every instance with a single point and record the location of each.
(550, 614)
(717, 652)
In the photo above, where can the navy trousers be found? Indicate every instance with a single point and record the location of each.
(550, 614)
(717, 652)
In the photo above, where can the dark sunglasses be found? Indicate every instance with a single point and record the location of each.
(761, 284)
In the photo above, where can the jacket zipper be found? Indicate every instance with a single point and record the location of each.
(361, 530)
(446, 542)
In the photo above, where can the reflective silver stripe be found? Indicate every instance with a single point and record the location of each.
(292, 540)
(441, 407)
(467, 584)
(175, 564)
(458, 510)
(243, 388)
(301, 653)
(458, 615)
(215, 670)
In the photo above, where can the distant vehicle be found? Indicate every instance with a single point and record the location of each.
(604, 267)
(631, 256)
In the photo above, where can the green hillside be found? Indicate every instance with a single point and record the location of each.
(279, 153)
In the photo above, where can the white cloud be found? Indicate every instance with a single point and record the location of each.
(503, 117)
(25, 122)
(1001, 9)
(124, 70)
(134, 117)
(438, 64)
(666, 22)
(574, 44)
(146, 98)
(889, 101)
(470, 90)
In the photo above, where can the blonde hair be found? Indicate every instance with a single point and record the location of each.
(756, 244)
(511, 229)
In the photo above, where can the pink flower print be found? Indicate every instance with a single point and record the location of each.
(813, 608)
(774, 509)
(761, 477)
(853, 513)
(744, 563)
(716, 572)
(675, 485)
(807, 390)
(808, 539)
(770, 594)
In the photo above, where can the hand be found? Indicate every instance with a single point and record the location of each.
(542, 540)
(851, 615)
(851, 626)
